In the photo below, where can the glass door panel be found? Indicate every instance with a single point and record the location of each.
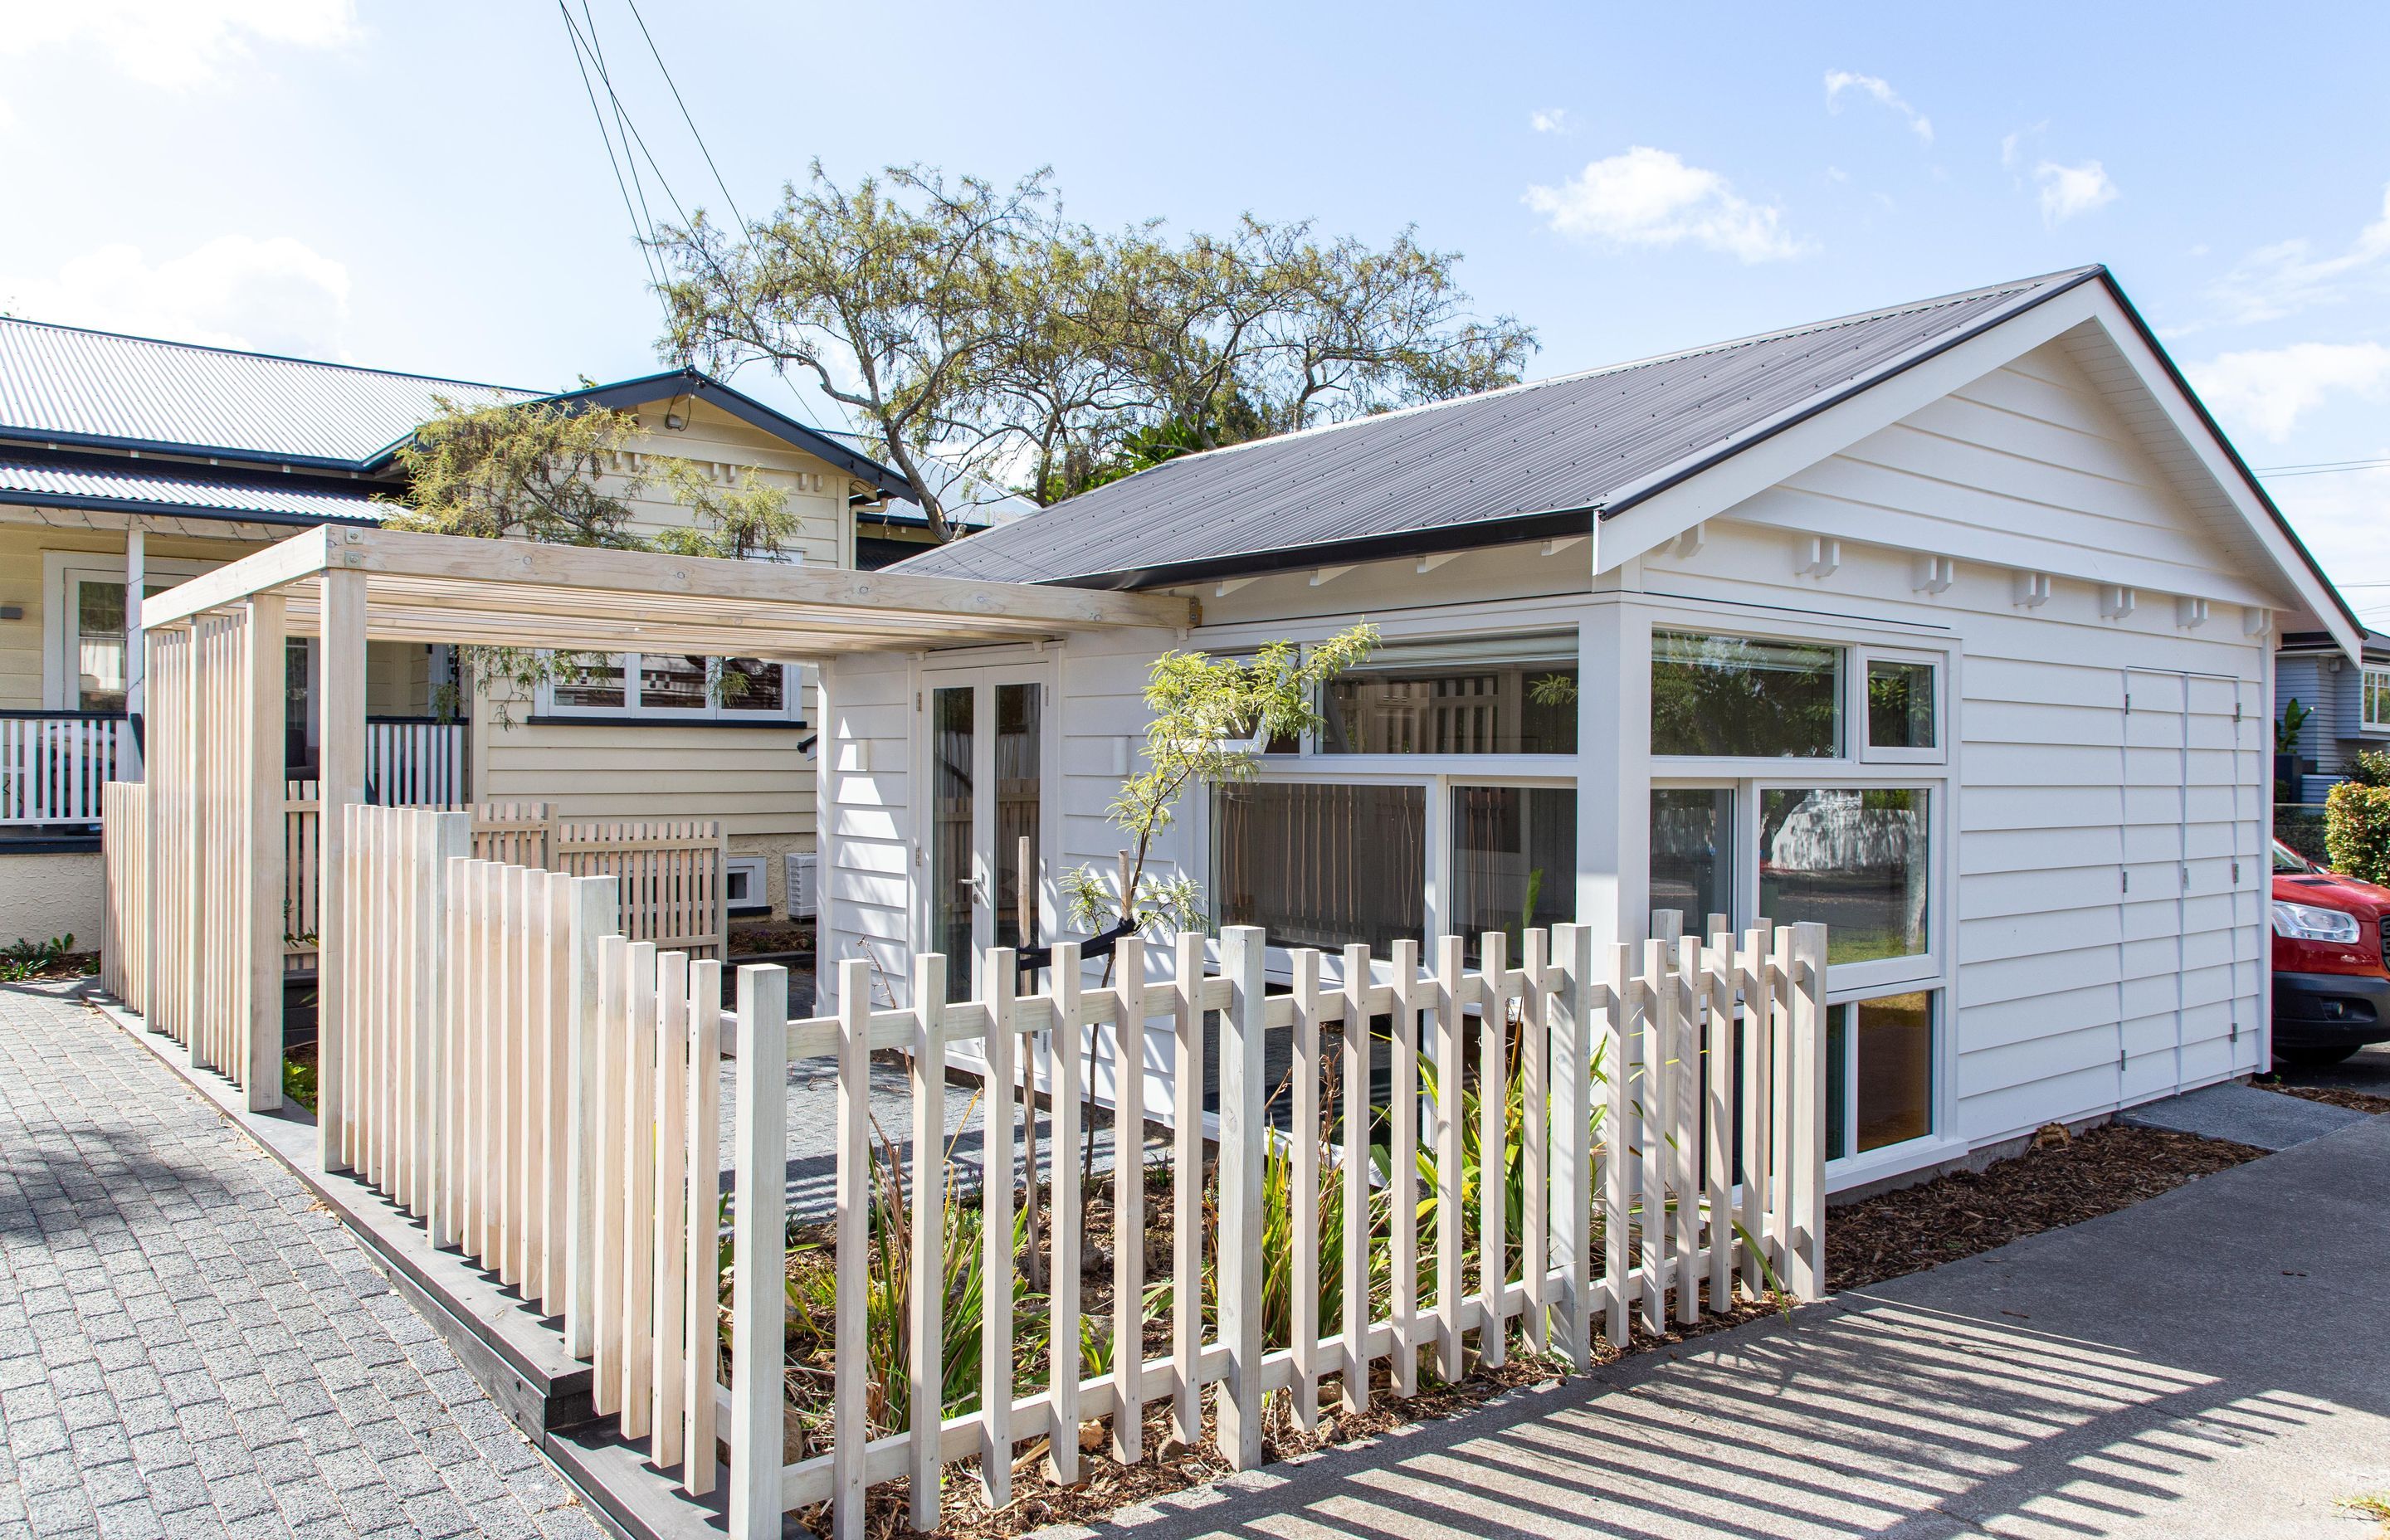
(1018, 797)
(953, 743)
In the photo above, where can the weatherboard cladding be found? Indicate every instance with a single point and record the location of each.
(1569, 445)
(71, 386)
(79, 487)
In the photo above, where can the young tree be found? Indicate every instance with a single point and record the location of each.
(1209, 714)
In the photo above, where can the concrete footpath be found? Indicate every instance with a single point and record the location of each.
(2214, 1363)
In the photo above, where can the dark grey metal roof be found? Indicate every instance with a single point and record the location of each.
(66, 385)
(1522, 462)
(82, 486)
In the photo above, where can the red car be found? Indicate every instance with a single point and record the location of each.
(2332, 990)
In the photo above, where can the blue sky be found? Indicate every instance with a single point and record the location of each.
(422, 188)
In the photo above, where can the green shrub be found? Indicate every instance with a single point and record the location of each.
(2357, 830)
(2371, 767)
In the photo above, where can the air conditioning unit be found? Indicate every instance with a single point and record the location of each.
(743, 890)
(802, 870)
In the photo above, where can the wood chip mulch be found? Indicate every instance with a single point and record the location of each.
(2334, 1095)
(2061, 1180)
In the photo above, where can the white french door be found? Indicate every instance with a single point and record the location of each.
(985, 736)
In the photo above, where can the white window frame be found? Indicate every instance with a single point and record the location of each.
(2367, 678)
(1937, 1112)
(791, 711)
(1864, 657)
(61, 571)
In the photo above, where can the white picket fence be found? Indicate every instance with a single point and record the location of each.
(1653, 1077)
(541, 1092)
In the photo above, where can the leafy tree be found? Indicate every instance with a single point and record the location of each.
(748, 520)
(895, 298)
(986, 340)
(527, 471)
(556, 473)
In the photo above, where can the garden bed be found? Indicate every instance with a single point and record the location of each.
(2061, 1180)
(2331, 1095)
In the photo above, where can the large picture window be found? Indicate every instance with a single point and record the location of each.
(1322, 864)
(1513, 861)
(1493, 695)
(679, 687)
(1746, 698)
(1853, 859)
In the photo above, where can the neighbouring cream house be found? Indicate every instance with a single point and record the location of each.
(127, 462)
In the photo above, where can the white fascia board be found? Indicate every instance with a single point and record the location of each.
(1666, 515)
(2293, 567)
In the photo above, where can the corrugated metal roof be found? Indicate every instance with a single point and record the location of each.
(1529, 460)
(42, 485)
(66, 385)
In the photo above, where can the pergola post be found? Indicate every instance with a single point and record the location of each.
(261, 799)
(135, 657)
(342, 780)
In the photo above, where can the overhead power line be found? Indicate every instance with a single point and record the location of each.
(2323, 467)
(666, 70)
(641, 232)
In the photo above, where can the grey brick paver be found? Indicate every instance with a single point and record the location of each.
(188, 1350)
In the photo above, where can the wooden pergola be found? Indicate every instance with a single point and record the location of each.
(215, 717)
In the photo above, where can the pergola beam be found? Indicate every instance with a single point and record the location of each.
(518, 579)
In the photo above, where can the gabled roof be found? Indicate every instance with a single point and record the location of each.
(747, 409)
(1525, 462)
(68, 388)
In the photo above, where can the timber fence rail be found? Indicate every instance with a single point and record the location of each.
(675, 890)
(1670, 1128)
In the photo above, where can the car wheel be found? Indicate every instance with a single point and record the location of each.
(2313, 1058)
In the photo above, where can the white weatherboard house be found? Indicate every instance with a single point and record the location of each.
(1949, 624)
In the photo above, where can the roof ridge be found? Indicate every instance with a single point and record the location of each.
(2013, 286)
(269, 357)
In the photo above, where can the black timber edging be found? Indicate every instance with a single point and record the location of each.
(515, 1356)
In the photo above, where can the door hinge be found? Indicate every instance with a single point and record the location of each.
(2236, 874)
(2121, 1057)
(917, 700)
(2185, 872)
(2128, 880)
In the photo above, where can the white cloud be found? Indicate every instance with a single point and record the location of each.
(1650, 197)
(179, 42)
(2267, 389)
(1551, 120)
(2070, 190)
(2012, 144)
(1836, 173)
(2287, 276)
(1840, 81)
(277, 294)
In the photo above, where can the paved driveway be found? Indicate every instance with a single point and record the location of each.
(2212, 1364)
(187, 1348)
